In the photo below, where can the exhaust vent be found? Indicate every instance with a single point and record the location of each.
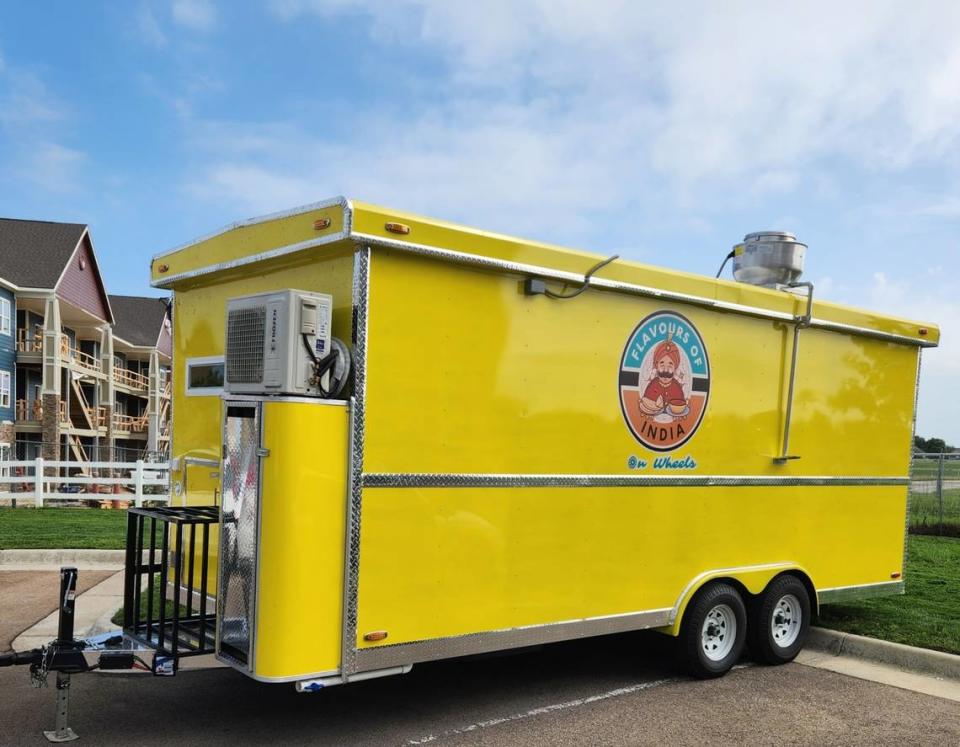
(769, 258)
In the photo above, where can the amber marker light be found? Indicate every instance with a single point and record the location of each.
(896, 574)
(320, 223)
(923, 331)
(398, 228)
(376, 635)
(163, 268)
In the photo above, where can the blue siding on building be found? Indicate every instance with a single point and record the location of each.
(8, 354)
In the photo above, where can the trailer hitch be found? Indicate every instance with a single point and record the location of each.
(65, 656)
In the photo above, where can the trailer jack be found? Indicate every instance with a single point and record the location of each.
(67, 656)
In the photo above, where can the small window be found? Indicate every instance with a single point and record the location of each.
(4, 389)
(4, 316)
(205, 376)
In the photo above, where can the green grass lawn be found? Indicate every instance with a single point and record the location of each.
(66, 528)
(928, 615)
(117, 618)
(925, 511)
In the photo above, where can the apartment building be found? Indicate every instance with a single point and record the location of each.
(69, 389)
(142, 350)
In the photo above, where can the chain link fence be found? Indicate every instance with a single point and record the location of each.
(935, 494)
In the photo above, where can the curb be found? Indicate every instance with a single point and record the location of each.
(53, 559)
(909, 658)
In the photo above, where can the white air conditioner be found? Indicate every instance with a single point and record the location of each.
(270, 338)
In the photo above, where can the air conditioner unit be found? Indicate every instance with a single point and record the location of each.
(270, 338)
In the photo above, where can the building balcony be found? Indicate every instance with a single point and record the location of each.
(32, 344)
(32, 412)
(130, 423)
(132, 379)
(28, 342)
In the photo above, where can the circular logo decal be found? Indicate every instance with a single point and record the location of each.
(664, 381)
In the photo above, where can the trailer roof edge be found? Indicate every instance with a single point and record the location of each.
(342, 219)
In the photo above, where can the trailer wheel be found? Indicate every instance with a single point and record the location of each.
(779, 621)
(713, 631)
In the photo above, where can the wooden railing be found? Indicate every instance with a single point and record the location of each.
(32, 412)
(77, 356)
(33, 343)
(29, 343)
(130, 423)
(130, 378)
(85, 360)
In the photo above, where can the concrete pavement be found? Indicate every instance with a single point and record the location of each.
(53, 560)
(887, 674)
(93, 611)
(28, 596)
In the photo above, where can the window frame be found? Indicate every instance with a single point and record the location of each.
(203, 391)
(6, 313)
(6, 386)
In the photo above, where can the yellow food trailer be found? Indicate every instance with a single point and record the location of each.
(396, 440)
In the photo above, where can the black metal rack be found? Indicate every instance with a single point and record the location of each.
(189, 627)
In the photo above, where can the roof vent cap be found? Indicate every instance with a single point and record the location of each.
(772, 259)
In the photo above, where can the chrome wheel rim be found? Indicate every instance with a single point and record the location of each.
(718, 632)
(786, 620)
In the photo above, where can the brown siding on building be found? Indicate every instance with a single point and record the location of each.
(83, 287)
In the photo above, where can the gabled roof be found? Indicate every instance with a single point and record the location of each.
(33, 253)
(138, 320)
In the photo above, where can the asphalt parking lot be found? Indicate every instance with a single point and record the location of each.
(614, 691)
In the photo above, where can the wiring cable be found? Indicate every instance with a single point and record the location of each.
(586, 281)
(321, 366)
(731, 255)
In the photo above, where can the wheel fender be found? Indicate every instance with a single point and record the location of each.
(752, 578)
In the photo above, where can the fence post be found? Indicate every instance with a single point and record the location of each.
(138, 484)
(940, 490)
(38, 482)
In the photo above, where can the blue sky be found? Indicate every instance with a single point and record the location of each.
(658, 131)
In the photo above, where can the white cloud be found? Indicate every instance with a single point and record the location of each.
(199, 15)
(546, 116)
(148, 27)
(489, 165)
(26, 103)
(53, 167)
(721, 92)
(32, 128)
(942, 207)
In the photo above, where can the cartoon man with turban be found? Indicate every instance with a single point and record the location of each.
(664, 392)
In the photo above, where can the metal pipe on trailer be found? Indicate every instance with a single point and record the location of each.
(800, 323)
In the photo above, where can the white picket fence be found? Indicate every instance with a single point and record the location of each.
(38, 487)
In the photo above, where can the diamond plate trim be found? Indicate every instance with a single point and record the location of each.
(441, 480)
(865, 591)
(382, 657)
(351, 567)
(239, 537)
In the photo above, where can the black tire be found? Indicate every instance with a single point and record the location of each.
(691, 647)
(766, 642)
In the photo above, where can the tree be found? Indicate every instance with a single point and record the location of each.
(930, 445)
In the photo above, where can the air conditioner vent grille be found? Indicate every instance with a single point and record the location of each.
(245, 335)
